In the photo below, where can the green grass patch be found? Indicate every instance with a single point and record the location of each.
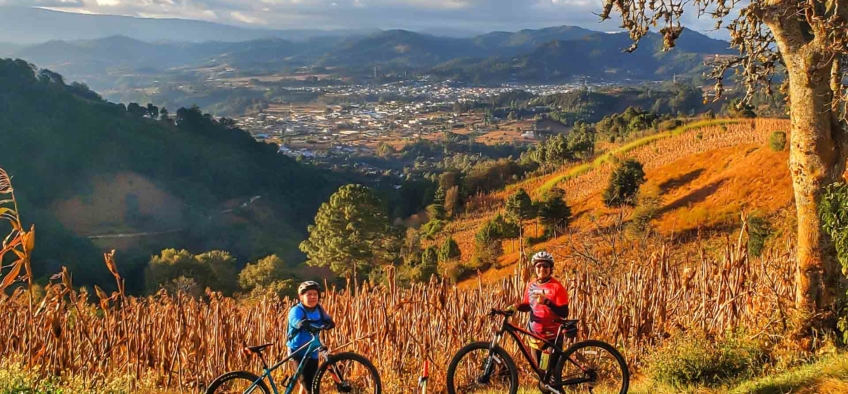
(606, 157)
(828, 374)
(16, 378)
(686, 361)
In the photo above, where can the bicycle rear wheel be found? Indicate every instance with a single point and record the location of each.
(593, 366)
(347, 373)
(472, 371)
(237, 382)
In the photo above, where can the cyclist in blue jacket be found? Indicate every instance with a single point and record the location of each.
(307, 311)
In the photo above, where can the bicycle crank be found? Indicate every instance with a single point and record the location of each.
(548, 389)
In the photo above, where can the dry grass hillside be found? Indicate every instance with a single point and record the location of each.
(705, 177)
(105, 206)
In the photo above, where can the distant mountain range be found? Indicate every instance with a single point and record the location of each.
(410, 49)
(555, 53)
(7, 49)
(595, 54)
(398, 47)
(113, 51)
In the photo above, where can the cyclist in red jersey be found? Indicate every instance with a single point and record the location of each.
(545, 298)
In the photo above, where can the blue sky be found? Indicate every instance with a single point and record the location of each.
(430, 15)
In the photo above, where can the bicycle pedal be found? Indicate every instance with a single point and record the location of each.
(548, 389)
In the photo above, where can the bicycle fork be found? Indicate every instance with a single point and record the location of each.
(489, 365)
(333, 369)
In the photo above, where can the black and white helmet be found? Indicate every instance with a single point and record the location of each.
(543, 256)
(308, 285)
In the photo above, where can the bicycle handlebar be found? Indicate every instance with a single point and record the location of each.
(499, 312)
(309, 326)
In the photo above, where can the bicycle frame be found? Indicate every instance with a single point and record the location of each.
(543, 376)
(312, 346)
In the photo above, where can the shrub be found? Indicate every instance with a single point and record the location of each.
(624, 184)
(453, 270)
(431, 228)
(835, 219)
(670, 124)
(172, 269)
(698, 360)
(835, 222)
(777, 141)
(759, 230)
(419, 268)
(449, 250)
(486, 255)
(649, 203)
(267, 276)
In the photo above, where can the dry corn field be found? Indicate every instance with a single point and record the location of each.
(182, 343)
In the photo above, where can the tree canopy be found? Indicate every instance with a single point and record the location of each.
(350, 232)
(624, 184)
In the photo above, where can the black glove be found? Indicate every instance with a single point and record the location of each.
(329, 324)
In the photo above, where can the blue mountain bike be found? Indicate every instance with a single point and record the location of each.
(339, 373)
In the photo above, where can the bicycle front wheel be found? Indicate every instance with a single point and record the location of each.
(593, 366)
(238, 382)
(347, 373)
(474, 369)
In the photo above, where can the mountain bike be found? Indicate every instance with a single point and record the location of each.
(338, 373)
(485, 367)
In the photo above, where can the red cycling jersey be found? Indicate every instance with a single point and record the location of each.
(542, 317)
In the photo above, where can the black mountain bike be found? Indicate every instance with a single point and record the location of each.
(589, 366)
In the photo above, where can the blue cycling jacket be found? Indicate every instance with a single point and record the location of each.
(299, 337)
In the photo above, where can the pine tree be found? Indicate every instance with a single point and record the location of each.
(350, 232)
(519, 208)
(624, 184)
(553, 212)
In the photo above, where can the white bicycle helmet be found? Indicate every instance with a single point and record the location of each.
(542, 256)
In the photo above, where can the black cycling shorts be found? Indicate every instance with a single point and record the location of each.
(308, 373)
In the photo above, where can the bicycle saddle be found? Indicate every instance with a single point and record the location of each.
(259, 348)
(567, 322)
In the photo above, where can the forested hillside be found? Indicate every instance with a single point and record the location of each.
(59, 139)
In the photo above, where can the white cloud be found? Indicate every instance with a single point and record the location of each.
(43, 3)
(477, 15)
(247, 19)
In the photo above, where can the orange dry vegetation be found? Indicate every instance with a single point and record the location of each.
(721, 183)
(95, 212)
(502, 136)
(706, 177)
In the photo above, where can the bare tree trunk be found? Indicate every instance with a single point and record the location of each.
(355, 281)
(817, 159)
(521, 238)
